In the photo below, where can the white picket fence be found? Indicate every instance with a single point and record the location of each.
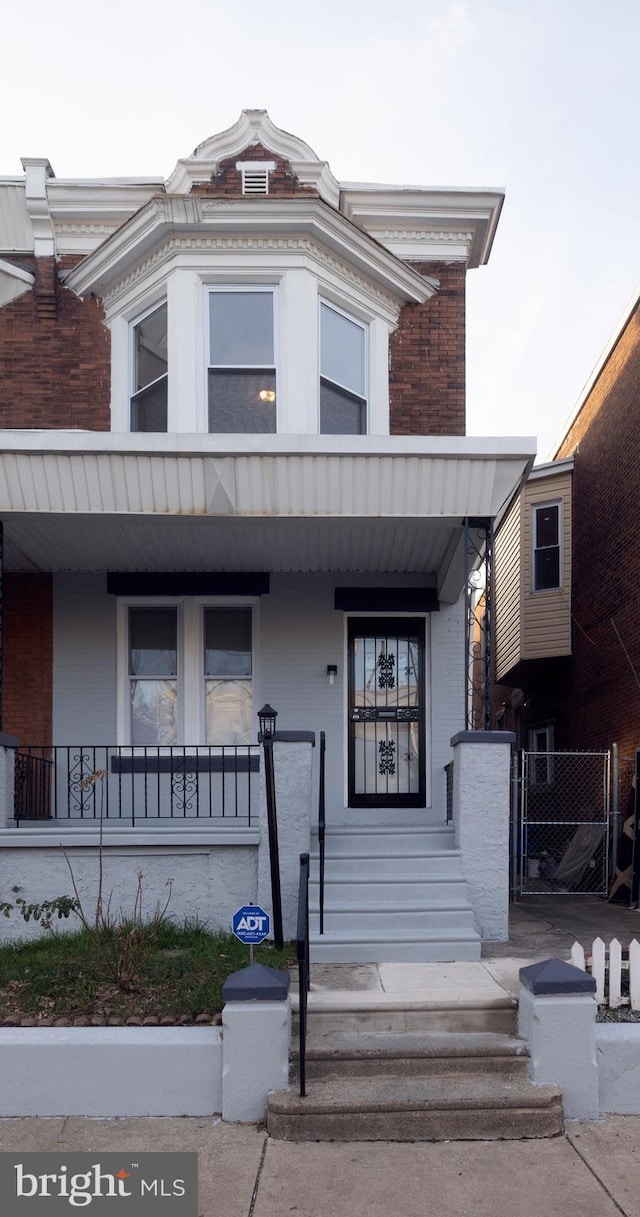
(609, 973)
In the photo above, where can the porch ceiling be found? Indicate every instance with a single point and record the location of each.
(97, 543)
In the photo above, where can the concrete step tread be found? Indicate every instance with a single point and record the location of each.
(356, 854)
(397, 906)
(449, 1092)
(378, 935)
(341, 1045)
(384, 830)
(364, 1001)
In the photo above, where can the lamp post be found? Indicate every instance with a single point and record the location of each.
(267, 719)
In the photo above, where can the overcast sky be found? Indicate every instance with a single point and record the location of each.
(537, 96)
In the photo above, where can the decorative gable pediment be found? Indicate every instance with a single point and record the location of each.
(254, 137)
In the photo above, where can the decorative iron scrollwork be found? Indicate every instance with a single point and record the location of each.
(408, 714)
(387, 762)
(363, 714)
(386, 671)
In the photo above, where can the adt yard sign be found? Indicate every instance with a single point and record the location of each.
(251, 924)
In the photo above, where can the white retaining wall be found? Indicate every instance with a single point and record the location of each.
(618, 1057)
(209, 881)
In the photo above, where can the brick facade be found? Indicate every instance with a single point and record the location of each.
(55, 369)
(603, 691)
(283, 182)
(28, 657)
(427, 359)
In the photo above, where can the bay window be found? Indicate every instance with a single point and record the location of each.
(546, 547)
(150, 369)
(343, 403)
(242, 373)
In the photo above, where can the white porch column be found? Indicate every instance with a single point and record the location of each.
(292, 761)
(481, 799)
(256, 1025)
(8, 745)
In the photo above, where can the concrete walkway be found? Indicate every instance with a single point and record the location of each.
(592, 1171)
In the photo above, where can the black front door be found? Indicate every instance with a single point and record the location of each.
(386, 712)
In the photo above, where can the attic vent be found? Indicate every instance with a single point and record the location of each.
(255, 176)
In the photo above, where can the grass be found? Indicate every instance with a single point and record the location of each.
(181, 976)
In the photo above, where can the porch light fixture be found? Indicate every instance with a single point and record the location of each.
(332, 672)
(267, 395)
(267, 719)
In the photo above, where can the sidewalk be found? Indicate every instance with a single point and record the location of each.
(592, 1171)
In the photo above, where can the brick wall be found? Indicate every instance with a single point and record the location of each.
(28, 657)
(54, 356)
(283, 182)
(603, 692)
(427, 359)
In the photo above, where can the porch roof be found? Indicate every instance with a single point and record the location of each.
(99, 501)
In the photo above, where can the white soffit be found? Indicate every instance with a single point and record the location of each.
(426, 223)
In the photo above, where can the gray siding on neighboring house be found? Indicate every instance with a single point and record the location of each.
(508, 613)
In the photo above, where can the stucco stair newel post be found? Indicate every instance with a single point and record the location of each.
(481, 815)
(292, 762)
(8, 745)
(557, 1016)
(256, 1032)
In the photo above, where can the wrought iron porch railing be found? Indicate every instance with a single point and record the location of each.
(304, 976)
(137, 785)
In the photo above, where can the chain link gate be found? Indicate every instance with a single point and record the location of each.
(563, 842)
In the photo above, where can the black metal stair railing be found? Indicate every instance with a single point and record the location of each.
(321, 825)
(302, 956)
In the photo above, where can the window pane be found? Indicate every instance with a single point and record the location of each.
(153, 642)
(340, 414)
(150, 348)
(341, 350)
(227, 642)
(241, 325)
(546, 526)
(547, 569)
(228, 711)
(235, 403)
(153, 712)
(149, 408)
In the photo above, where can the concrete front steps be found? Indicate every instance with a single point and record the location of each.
(369, 1084)
(393, 893)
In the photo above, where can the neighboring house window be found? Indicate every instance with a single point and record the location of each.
(242, 372)
(149, 393)
(541, 746)
(175, 695)
(343, 402)
(546, 547)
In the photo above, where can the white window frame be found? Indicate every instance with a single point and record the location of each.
(191, 718)
(535, 771)
(535, 507)
(135, 321)
(365, 327)
(242, 289)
